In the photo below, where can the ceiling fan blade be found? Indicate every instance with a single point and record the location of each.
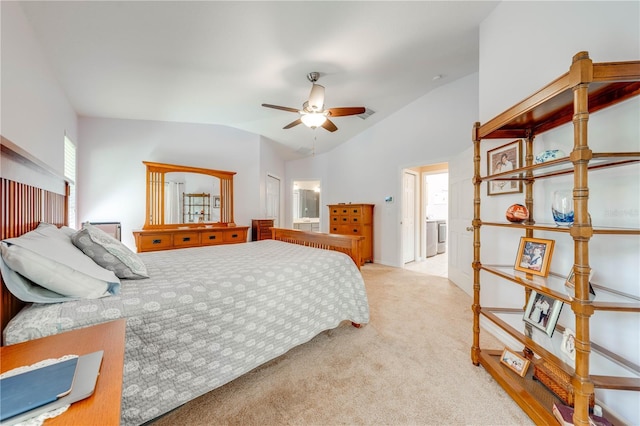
(293, 123)
(281, 108)
(342, 111)
(328, 125)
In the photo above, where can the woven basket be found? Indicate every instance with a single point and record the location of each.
(557, 381)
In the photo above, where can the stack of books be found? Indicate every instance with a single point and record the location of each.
(32, 392)
(564, 414)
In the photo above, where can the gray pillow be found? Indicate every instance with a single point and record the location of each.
(47, 258)
(109, 253)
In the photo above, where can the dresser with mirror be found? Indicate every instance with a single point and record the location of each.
(187, 207)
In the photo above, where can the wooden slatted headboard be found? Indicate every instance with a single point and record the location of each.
(23, 206)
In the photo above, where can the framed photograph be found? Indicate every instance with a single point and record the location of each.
(542, 312)
(568, 346)
(534, 256)
(500, 160)
(216, 201)
(570, 285)
(515, 362)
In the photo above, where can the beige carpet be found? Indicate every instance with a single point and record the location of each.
(409, 366)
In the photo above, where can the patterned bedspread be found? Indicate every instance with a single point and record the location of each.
(210, 314)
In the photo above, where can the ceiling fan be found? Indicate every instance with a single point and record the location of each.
(313, 114)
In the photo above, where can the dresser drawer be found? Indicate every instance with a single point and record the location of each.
(186, 239)
(355, 219)
(235, 236)
(346, 229)
(211, 237)
(150, 242)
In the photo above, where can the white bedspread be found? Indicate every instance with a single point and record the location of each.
(210, 314)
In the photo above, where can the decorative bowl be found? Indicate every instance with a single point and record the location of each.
(548, 155)
(517, 213)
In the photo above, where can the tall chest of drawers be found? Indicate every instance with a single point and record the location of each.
(354, 219)
(260, 229)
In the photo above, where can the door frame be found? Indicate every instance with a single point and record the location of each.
(320, 209)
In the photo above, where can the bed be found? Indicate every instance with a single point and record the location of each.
(205, 315)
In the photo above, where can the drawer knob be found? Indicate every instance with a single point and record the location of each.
(212, 237)
(186, 238)
(156, 242)
(234, 235)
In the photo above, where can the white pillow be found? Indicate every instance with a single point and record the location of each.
(49, 259)
(109, 253)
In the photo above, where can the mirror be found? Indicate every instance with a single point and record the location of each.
(308, 204)
(179, 196)
(191, 198)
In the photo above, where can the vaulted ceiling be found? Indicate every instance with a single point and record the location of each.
(216, 62)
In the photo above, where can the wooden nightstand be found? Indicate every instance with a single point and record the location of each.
(101, 408)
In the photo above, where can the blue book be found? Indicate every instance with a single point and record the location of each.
(31, 389)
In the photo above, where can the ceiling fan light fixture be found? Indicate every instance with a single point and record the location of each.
(313, 119)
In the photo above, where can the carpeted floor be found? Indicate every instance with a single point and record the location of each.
(410, 366)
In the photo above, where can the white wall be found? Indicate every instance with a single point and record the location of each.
(35, 113)
(112, 177)
(524, 46)
(271, 163)
(368, 168)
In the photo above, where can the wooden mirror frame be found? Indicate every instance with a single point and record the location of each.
(155, 194)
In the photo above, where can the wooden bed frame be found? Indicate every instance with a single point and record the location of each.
(23, 206)
(348, 244)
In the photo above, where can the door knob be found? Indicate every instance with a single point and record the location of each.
(469, 228)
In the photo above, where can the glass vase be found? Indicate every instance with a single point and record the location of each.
(562, 207)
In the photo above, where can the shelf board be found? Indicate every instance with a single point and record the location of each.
(606, 299)
(552, 105)
(617, 383)
(601, 230)
(564, 166)
(529, 394)
(499, 317)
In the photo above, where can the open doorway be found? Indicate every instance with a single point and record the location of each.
(306, 205)
(430, 229)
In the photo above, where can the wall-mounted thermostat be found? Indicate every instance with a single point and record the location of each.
(388, 199)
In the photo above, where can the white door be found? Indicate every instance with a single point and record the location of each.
(273, 199)
(460, 244)
(409, 217)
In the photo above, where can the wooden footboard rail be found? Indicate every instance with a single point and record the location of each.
(347, 244)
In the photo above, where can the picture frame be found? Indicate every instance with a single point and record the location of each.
(568, 346)
(501, 159)
(570, 285)
(534, 256)
(216, 201)
(516, 363)
(542, 312)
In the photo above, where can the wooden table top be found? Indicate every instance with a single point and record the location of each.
(101, 408)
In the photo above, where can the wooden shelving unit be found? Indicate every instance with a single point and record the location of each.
(196, 208)
(586, 88)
